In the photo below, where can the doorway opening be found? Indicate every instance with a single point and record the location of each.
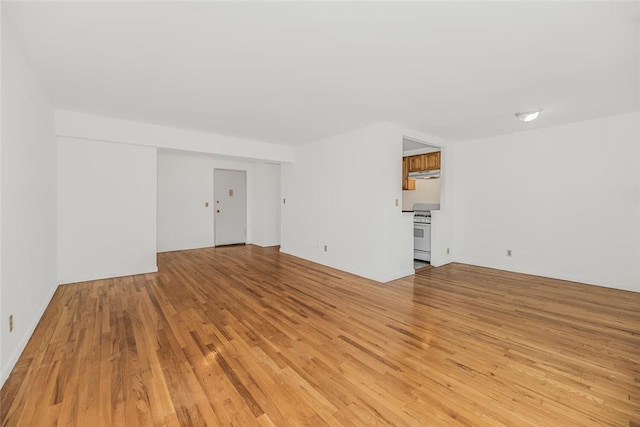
(421, 164)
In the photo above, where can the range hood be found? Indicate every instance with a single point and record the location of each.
(425, 174)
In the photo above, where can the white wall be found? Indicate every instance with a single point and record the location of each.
(28, 201)
(185, 184)
(266, 204)
(565, 199)
(427, 191)
(341, 192)
(106, 209)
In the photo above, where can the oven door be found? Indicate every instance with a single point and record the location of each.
(422, 241)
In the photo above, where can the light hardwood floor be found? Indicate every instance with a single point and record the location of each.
(248, 336)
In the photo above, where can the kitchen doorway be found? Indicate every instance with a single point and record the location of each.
(421, 163)
(230, 209)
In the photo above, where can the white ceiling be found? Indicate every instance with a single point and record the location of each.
(411, 145)
(293, 72)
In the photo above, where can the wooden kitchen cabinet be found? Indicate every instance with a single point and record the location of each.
(432, 161)
(424, 162)
(417, 163)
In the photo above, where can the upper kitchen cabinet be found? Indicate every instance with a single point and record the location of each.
(432, 161)
(424, 162)
(417, 163)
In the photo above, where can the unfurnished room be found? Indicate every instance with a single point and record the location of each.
(323, 213)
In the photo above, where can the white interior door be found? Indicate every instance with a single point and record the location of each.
(230, 210)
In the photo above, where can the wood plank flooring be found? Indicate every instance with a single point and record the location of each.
(248, 336)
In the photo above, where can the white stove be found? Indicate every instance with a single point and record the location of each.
(422, 235)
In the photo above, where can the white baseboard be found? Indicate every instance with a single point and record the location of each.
(184, 248)
(108, 275)
(377, 278)
(395, 276)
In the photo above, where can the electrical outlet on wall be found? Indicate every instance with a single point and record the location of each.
(508, 252)
(11, 323)
(325, 248)
(448, 251)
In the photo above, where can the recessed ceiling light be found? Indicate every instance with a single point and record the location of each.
(527, 116)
